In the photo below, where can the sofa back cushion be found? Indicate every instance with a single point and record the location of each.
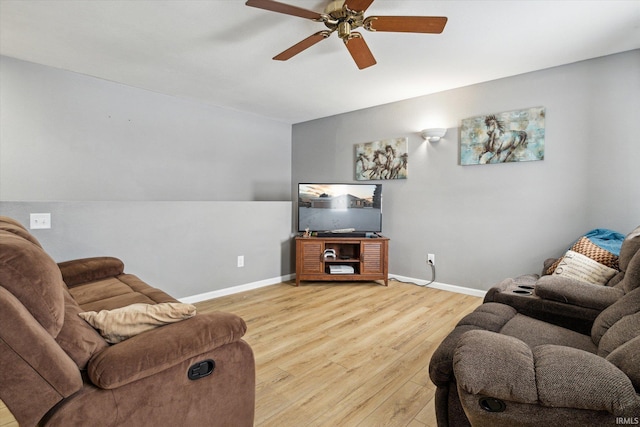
(628, 305)
(33, 278)
(627, 359)
(623, 331)
(35, 373)
(631, 279)
(77, 338)
(13, 226)
(630, 246)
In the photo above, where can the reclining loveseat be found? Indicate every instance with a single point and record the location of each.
(568, 301)
(519, 365)
(56, 369)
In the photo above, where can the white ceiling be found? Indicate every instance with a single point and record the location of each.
(219, 51)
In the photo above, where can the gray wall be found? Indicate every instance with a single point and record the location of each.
(485, 223)
(184, 248)
(67, 136)
(176, 188)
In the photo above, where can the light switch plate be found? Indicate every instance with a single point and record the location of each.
(39, 220)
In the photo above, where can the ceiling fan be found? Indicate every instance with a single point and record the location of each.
(344, 16)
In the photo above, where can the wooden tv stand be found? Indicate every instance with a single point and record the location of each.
(369, 257)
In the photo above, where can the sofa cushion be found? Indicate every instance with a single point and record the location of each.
(627, 359)
(536, 332)
(622, 331)
(116, 292)
(631, 279)
(35, 373)
(86, 270)
(570, 378)
(580, 267)
(77, 338)
(122, 323)
(625, 306)
(34, 278)
(630, 246)
(13, 226)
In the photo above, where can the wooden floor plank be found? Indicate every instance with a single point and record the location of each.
(341, 354)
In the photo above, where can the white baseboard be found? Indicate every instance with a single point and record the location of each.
(267, 282)
(236, 289)
(442, 286)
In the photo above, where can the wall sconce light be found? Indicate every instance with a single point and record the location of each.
(433, 135)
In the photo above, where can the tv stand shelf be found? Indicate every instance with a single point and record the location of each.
(368, 256)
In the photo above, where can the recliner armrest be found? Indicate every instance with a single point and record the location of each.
(552, 376)
(574, 292)
(508, 284)
(156, 350)
(78, 271)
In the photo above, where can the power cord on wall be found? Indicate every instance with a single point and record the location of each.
(433, 272)
(433, 276)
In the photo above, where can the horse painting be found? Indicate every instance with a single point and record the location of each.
(512, 136)
(501, 145)
(382, 160)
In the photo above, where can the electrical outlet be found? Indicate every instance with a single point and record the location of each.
(240, 260)
(39, 220)
(431, 259)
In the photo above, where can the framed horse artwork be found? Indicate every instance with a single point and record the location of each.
(512, 136)
(385, 159)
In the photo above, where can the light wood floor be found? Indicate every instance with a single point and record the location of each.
(342, 354)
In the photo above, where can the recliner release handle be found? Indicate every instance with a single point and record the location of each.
(201, 369)
(491, 404)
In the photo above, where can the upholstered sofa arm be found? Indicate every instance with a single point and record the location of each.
(552, 376)
(85, 270)
(495, 365)
(489, 316)
(159, 349)
(574, 292)
(510, 284)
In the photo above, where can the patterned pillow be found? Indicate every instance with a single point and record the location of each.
(587, 248)
(580, 267)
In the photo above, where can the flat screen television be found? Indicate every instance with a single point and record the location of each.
(329, 207)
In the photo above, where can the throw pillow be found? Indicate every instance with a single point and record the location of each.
(586, 247)
(122, 323)
(580, 267)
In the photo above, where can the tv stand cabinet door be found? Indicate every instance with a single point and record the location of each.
(373, 255)
(309, 257)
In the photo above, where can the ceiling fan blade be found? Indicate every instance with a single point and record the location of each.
(275, 6)
(300, 46)
(359, 50)
(406, 24)
(358, 5)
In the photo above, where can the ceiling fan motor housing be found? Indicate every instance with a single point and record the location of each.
(336, 9)
(342, 18)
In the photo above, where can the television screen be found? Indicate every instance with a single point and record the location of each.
(328, 207)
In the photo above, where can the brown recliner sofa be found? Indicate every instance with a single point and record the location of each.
(568, 302)
(499, 367)
(56, 370)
